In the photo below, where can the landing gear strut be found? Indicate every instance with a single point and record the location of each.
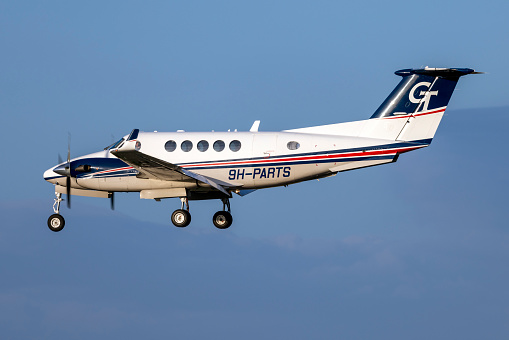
(56, 222)
(181, 217)
(223, 219)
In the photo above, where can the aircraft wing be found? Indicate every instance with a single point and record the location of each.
(155, 168)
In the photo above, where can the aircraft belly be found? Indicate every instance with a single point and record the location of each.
(359, 164)
(138, 184)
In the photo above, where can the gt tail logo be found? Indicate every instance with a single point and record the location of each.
(425, 95)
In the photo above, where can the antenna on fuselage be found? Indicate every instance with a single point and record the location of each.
(255, 126)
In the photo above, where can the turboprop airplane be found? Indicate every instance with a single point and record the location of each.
(215, 165)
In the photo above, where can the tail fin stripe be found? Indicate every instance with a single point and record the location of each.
(442, 109)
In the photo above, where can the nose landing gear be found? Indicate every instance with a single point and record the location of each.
(56, 222)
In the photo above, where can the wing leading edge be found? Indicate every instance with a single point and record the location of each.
(155, 168)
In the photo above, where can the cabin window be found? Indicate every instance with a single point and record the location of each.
(293, 145)
(218, 145)
(170, 146)
(235, 145)
(203, 145)
(186, 145)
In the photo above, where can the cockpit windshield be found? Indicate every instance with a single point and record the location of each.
(114, 145)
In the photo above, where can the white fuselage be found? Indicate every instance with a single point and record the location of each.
(264, 159)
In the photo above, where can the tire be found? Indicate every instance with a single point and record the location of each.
(181, 218)
(56, 222)
(222, 219)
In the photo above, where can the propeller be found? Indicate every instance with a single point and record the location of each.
(112, 200)
(68, 168)
(65, 170)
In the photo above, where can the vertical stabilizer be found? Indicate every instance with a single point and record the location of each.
(411, 112)
(416, 93)
(419, 100)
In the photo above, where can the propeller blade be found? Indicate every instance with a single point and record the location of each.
(112, 201)
(68, 180)
(68, 148)
(68, 187)
(60, 161)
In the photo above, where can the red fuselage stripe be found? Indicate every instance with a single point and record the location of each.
(417, 114)
(307, 158)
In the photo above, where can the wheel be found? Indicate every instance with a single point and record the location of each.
(56, 222)
(222, 219)
(181, 218)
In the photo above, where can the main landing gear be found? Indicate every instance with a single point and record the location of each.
(181, 217)
(56, 222)
(222, 219)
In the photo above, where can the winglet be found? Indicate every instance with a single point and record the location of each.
(255, 126)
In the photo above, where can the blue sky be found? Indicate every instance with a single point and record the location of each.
(413, 249)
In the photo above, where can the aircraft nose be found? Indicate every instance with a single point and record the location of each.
(51, 174)
(62, 170)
